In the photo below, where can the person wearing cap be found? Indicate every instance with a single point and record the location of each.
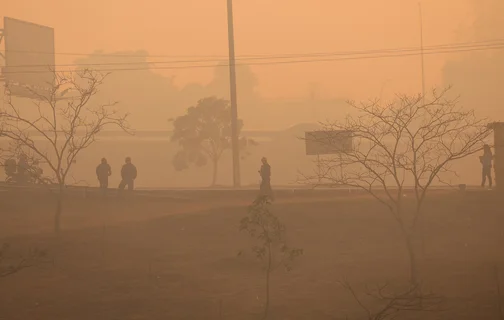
(103, 172)
(128, 175)
(265, 173)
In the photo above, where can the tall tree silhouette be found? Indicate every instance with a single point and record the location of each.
(203, 134)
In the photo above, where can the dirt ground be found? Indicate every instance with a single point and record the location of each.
(168, 258)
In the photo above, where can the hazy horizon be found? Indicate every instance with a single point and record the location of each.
(264, 28)
(220, 210)
(273, 97)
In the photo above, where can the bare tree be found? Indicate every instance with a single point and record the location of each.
(66, 123)
(7, 269)
(498, 293)
(391, 305)
(270, 234)
(400, 144)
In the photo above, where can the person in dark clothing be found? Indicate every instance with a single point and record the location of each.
(128, 175)
(23, 169)
(103, 172)
(265, 173)
(10, 167)
(486, 162)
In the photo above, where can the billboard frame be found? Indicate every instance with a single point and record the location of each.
(347, 135)
(26, 87)
(2, 56)
(315, 144)
(1, 39)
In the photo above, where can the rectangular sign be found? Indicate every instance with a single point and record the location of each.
(29, 55)
(328, 142)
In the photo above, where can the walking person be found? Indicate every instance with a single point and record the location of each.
(103, 172)
(128, 175)
(265, 173)
(486, 162)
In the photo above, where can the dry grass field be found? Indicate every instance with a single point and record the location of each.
(166, 258)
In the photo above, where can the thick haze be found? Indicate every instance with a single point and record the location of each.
(270, 96)
(478, 76)
(198, 27)
(397, 216)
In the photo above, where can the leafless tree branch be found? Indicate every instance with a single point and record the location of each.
(403, 142)
(7, 269)
(66, 121)
(393, 304)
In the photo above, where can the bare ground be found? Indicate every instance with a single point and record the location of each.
(166, 258)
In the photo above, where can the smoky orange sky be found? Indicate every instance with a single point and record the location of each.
(199, 27)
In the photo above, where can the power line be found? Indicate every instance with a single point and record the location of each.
(349, 57)
(125, 55)
(253, 56)
(422, 52)
(285, 56)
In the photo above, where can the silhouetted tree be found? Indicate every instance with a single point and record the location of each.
(66, 123)
(271, 244)
(27, 261)
(204, 133)
(247, 90)
(406, 141)
(392, 304)
(143, 93)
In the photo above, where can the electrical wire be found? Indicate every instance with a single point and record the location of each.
(284, 56)
(273, 57)
(262, 56)
(385, 54)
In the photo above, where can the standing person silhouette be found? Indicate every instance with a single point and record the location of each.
(23, 169)
(486, 162)
(103, 172)
(265, 173)
(128, 175)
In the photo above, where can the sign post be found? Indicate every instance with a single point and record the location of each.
(498, 129)
(328, 143)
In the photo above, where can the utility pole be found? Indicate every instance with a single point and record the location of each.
(234, 108)
(313, 98)
(422, 52)
(2, 57)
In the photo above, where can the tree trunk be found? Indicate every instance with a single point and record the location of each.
(268, 272)
(215, 170)
(59, 209)
(412, 259)
(266, 306)
(409, 237)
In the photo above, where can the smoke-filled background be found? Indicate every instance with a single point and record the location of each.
(272, 97)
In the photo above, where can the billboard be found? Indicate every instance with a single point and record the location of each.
(328, 142)
(29, 57)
